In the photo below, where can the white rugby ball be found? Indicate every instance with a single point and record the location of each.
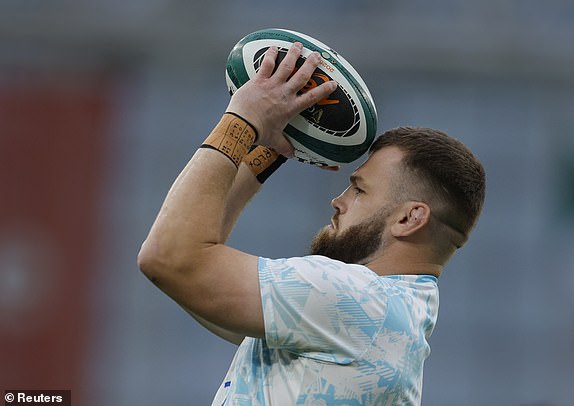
(335, 131)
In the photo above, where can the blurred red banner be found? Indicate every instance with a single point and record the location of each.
(54, 132)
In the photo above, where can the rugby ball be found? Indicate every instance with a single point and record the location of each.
(336, 130)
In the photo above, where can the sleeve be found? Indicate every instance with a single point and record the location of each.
(320, 308)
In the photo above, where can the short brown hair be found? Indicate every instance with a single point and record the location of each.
(448, 171)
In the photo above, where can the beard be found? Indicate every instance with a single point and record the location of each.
(356, 244)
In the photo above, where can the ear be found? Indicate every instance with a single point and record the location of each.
(411, 217)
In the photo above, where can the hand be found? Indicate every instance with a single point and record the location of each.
(270, 100)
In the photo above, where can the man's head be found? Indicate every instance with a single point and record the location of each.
(418, 185)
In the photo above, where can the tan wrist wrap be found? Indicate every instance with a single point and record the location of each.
(232, 136)
(263, 161)
(260, 159)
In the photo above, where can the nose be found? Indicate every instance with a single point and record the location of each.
(337, 204)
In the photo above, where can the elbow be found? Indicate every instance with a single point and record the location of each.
(160, 264)
(151, 263)
(146, 262)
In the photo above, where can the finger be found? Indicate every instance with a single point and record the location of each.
(313, 96)
(305, 72)
(288, 64)
(268, 63)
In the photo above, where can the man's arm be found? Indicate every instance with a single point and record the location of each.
(184, 253)
(256, 167)
(244, 187)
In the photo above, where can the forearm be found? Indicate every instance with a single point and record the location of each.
(244, 187)
(254, 170)
(193, 214)
(184, 252)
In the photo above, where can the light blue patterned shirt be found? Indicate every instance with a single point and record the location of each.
(335, 334)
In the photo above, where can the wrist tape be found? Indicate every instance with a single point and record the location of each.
(263, 161)
(232, 136)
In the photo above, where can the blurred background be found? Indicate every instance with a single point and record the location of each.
(103, 102)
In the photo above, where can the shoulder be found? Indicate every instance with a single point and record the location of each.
(313, 264)
(410, 284)
(317, 266)
(316, 272)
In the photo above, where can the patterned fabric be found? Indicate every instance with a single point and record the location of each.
(335, 334)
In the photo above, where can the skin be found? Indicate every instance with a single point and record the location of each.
(185, 253)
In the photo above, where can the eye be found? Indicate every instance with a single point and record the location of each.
(357, 190)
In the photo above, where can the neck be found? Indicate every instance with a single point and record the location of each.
(395, 260)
